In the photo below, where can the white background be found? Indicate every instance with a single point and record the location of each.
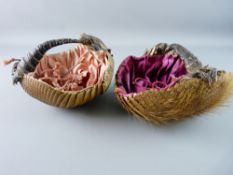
(101, 138)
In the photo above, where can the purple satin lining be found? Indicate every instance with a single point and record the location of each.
(137, 74)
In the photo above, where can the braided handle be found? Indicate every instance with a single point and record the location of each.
(34, 58)
(29, 64)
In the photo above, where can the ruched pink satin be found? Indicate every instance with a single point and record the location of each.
(73, 70)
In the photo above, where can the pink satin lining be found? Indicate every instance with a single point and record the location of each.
(137, 74)
(73, 70)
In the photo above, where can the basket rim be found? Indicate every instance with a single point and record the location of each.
(103, 83)
(154, 90)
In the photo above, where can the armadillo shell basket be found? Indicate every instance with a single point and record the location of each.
(169, 83)
(66, 79)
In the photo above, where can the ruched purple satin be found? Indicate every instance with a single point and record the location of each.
(137, 74)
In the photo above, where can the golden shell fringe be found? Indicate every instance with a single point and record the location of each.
(187, 98)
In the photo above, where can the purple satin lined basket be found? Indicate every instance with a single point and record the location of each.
(137, 74)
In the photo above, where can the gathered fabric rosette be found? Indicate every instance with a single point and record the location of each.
(67, 79)
(169, 83)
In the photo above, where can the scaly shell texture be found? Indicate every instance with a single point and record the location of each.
(187, 98)
(55, 96)
(191, 95)
(66, 99)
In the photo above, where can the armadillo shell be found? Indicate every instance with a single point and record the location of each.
(187, 98)
(67, 99)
